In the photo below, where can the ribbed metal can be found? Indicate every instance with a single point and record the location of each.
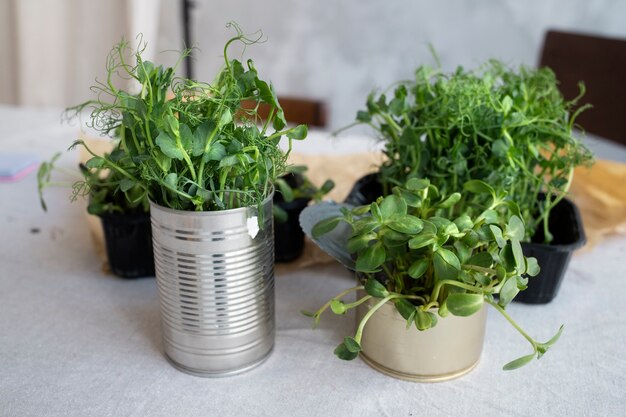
(215, 274)
(449, 350)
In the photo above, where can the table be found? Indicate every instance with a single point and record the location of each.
(75, 341)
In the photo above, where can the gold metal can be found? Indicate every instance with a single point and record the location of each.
(449, 350)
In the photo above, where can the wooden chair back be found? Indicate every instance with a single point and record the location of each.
(600, 63)
(298, 111)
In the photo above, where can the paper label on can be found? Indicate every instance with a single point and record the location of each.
(253, 226)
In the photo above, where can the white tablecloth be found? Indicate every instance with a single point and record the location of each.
(77, 342)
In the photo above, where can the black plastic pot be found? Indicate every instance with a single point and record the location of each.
(288, 236)
(128, 240)
(566, 226)
(365, 191)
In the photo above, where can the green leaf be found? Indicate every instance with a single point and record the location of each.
(117, 155)
(447, 265)
(497, 235)
(515, 228)
(95, 162)
(507, 104)
(171, 179)
(482, 259)
(396, 107)
(500, 272)
(405, 308)
(229, 161)
(375, 288)
(163, 161)
(554, 338)
(375, 210)
(298, 133)
(126, 184)
(481, 278)
(201, 137)
(518, 255)
(507, 258)
(393, 238)
(479, 187)
(337, 306)
(433, 192)
(514, 208)
(216, 152)
(532, 267)
(450, 201)
(490, 217)
(464, 222)
(425, 320)
(363, 116)
(172, 124)
(508, 292)
(407, 224)
(284, 189)
(519, 362)
(280, 215)
(352, 345)
(360, 242)
(186, 137)
(344, 353)
(418, 268)
(325, 226)
(444, 226)
(462, 251)
(443, 309)
(500, 148)
(371, 258)
(360, 210)
(429, 227)
(327, 186)
(168, 146)
(422, 240)
(392, 205)
(225, 118)
(409, 137)
(411, 199)
(471, 239)
(417, 184)
(365, 225)
(463, 305)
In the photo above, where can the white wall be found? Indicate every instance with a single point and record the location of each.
(338, 50)
(335, 50)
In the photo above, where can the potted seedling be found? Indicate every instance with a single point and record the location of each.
(294, 191)
(121, 207)
(208, 167)
(424, 276)
(509, 128)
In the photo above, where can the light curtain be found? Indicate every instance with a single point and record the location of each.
(52, 50)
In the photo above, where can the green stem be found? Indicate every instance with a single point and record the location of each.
(207, 146)
(435, 294)
(550, 204)
(359, 331)
(513, 323)
(110, 164)
(357, 303)
(270, 117)
(339, 296)
(480, 269)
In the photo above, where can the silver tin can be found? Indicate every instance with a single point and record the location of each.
(215, 273)
(449, 350)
